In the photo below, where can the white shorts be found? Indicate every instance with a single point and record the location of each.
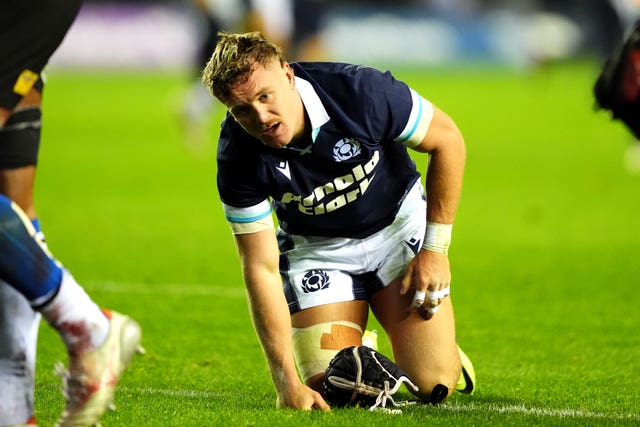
(325, 270)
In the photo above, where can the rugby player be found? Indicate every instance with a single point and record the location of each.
(324, 147)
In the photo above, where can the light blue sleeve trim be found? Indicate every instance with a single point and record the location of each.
(247, 214)
(418, 123)
(414, 118)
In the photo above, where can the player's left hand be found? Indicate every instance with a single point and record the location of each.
(429, 274)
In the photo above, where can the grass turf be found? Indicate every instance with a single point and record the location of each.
(544, 257)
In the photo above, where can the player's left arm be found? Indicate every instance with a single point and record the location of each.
(430, 270)
(447, 156)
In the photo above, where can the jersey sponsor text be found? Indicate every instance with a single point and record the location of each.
(344, 189)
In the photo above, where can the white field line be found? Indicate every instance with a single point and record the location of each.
(501, 409)
(186, 289)
(174, 393)
(554, 413)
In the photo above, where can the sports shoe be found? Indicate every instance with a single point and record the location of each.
(89, 384)
(467, 382)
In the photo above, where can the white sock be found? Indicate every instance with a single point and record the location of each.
(80, 322)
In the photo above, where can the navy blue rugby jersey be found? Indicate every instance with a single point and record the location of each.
(352, 178)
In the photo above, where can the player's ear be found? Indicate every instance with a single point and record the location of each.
(289, 73)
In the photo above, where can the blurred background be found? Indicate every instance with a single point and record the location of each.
(167, 34)
(466, 35)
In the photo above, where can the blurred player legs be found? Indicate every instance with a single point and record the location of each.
(19, 335)
(628, 12)
(295, 25)
(617, 86)
(30, 31)
(273, 17)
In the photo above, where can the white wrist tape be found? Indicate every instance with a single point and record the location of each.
(437, 237)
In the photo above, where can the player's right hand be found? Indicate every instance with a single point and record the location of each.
(301, 397)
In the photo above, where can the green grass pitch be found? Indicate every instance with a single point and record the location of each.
(545, 255)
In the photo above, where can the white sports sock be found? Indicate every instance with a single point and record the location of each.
(80, 322)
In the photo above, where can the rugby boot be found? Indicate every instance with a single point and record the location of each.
(89, 383)
(467, 382)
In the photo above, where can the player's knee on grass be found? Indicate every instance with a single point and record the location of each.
(435, 385)
(316, 345)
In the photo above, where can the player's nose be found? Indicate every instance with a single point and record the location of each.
(262, 114)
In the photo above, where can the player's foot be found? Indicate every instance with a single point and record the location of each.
(90, 382)
(467, 382)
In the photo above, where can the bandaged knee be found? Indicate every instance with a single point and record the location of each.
(316, 345)
(20, 139)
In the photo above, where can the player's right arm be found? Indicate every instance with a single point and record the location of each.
(259, 257)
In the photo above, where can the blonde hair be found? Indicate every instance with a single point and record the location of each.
(234, 58)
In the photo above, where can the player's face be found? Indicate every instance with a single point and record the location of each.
(268, 105)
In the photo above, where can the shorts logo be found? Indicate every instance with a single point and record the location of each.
(315, 280)
(414, 244)
(345, 149)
